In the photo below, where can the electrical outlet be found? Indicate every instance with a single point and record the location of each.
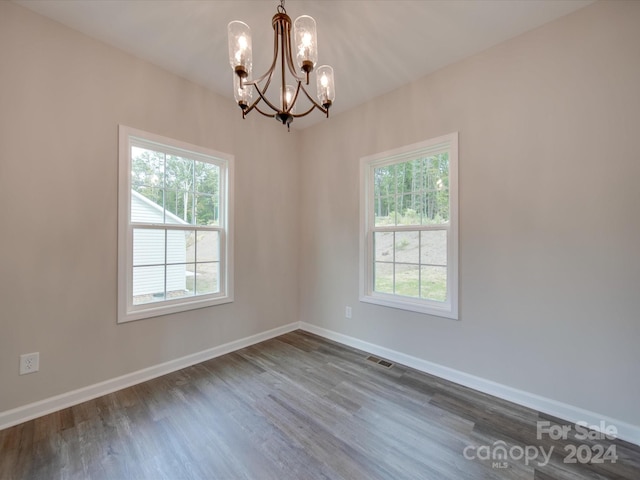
(29, 363)
(347, 312)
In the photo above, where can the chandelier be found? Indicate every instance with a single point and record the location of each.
(306, 55)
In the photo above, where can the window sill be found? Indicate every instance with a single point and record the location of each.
(437, 309)
(141, 312)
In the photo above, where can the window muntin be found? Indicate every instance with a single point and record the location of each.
(409, 234)
(174, 245)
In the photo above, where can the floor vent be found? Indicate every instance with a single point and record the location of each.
(379, 361)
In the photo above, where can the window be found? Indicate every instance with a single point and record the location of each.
(175, 226)
(409, 227)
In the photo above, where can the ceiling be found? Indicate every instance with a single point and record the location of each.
(374, 46)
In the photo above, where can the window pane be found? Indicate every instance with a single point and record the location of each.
(383, 246)
(434, 283)
(435, 176)
(148, 284)
(177, 281)
(385, 210)
(179, 173)
(443, 167)
(146, 205)
(417, 202)
(179, 187)
(436, 208)
(147, 168)
(412, 170)
(207, 210)
(404, 176)
(207, 178)
(180, 246)
(407, 247)
(208, 247)
(430, 173)
(179, 207)
(384, 181)
(207, 278)
(408, 208)
(191, 278)
(417, 184)
(383, 277)
(148, 247)
(408, 280)
(433, 247)
(380, 208)
(442, 199)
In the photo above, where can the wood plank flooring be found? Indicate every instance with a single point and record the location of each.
(299, 407)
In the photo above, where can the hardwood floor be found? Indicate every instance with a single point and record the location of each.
(300, 407)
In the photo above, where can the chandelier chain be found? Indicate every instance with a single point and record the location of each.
(281, 7)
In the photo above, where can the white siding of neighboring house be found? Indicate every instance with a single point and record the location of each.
(149, 249)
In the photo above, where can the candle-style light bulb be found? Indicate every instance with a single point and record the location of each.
(242, 49)
(325, 87)
(242, 92)
(286, 98)
(240, 53)
(304, 31)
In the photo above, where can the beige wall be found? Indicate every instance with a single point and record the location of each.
(62, 96)
(549, 222)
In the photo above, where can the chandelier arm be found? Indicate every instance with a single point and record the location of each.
(270, 115)
(266, 86)
(298, 115)
(256, 101)
(246, 111)
(260, 96)
(315, 104)
(269, 72)
(254, 106)
(266, 100)
(290, 64)
(284, 34)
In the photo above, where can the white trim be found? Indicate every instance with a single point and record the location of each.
(448, 308)
(22, 414)
(626, 431)
(573, 414)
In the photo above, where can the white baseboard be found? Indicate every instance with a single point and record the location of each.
(22, 414)
(626, 431)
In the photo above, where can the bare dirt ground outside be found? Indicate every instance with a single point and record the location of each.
(411, 263)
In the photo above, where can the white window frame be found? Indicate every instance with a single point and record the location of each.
(127, 311)
(448, 308)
